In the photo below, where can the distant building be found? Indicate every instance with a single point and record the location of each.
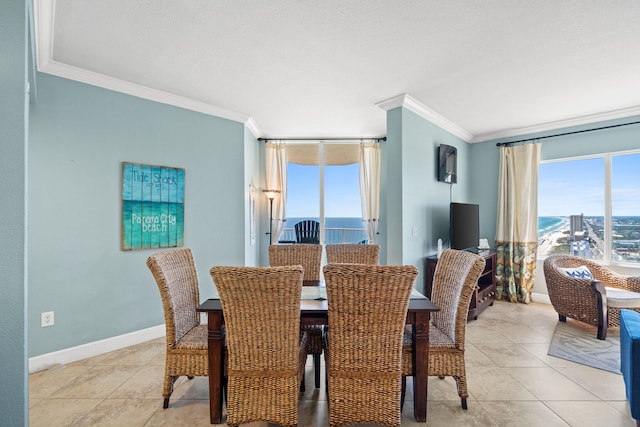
(576, 223)
(626, 246)
(578, 236)
(581, 249)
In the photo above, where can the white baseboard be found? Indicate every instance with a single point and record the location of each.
(541, 298)
(84, 351)
(73, 354)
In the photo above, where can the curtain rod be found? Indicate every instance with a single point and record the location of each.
(362, 139)
(500, 144)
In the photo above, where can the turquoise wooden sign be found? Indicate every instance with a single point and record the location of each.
(152, 207)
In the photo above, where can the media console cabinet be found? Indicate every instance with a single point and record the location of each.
(485, 291)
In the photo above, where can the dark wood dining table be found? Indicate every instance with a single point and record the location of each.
(313, 311)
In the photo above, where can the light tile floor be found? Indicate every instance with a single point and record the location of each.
(512, 382)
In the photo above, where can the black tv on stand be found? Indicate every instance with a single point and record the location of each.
(464, 226)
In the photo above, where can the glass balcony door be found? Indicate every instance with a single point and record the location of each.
(323, 185)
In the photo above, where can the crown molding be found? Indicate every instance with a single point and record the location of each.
(122, 86)
(253, 127)
(577, 121)
(407, 101)
(44, 14)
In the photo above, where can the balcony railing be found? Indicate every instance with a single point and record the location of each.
(332, 235)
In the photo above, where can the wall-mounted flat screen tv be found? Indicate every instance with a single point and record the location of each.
(447, 164)
(465, 225)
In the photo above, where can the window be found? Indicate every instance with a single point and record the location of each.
(303, 193)
(590, 207)
(343, 214)
(323, 184)
(625, 207)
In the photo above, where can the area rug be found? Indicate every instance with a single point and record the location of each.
(577, 342)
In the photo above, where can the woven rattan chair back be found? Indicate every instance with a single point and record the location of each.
(261, 307)
(455, 278)
(367, 314)
(353, 254)
(176, 276)
(309, 256)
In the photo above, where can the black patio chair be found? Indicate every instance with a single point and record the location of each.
(307, 231)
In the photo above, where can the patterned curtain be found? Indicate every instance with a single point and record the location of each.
(517, 224)
(277, 180)
(370, 187)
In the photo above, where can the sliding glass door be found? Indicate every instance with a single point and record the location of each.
(323, 185)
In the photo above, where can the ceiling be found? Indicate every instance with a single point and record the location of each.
(482, 69)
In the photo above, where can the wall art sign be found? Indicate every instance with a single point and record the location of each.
(152, 207)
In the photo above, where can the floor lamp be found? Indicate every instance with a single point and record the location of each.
(271, 194)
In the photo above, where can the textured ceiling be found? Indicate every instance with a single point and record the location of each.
(293, 68)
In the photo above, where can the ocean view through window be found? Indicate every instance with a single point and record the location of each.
(337, 230)
(323, 185)
(590, 207)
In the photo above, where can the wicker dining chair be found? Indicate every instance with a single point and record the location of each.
(454, 280)
(266, 351)
(595, 299)
(367, 313)
(186, 354)
(309, 256)
(353, 253)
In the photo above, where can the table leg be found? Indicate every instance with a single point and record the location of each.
(216, 365)
(421, 353)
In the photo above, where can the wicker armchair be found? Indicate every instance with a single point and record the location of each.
(309, 256)
(186, 354)
(367, 313)
(353, 254)
(596, 301)
(454, 280)
(266, 352)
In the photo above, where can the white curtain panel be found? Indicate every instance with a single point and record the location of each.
(370, 187)
(276, 155)
(517, 224)
(518, 194)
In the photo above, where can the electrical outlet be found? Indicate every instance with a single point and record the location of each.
(46, 319)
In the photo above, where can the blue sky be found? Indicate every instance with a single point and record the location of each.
(342, 191)
(565, 188)
(577, 187)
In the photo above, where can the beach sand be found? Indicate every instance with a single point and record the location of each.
(549, 240)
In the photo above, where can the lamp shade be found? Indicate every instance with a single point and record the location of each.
(271, 194)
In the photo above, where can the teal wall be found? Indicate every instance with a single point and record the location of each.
(484, 186)
(13, 226)
(79, 135)
(390, 227)
(412, 197)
